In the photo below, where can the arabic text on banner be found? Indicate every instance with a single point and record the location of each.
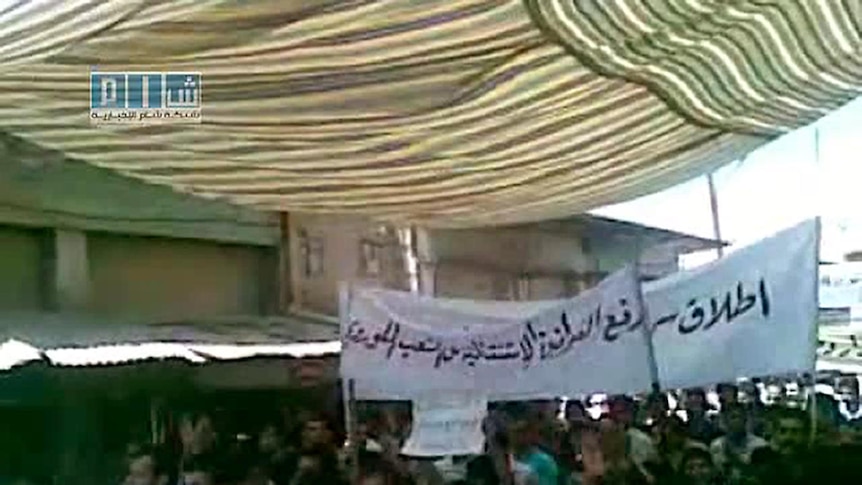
(752, 313)
(397, 345)
(447, 425)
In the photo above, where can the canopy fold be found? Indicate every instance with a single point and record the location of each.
(439, 112)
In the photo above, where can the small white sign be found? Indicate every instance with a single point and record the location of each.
(447, 426)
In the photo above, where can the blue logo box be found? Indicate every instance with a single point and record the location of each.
(145, 96)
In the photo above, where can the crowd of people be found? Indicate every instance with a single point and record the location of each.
(632, 442)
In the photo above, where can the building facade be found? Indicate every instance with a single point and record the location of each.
(545, 260)
(75, 238)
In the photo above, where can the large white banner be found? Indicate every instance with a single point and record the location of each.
(446, 425)
(397, 345)
(752, 313)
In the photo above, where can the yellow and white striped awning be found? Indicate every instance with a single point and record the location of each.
(442, 112)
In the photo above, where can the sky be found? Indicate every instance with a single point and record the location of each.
(774, 187)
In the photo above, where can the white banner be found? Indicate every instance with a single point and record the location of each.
(752, 313)
(447, 425)
(397, 345)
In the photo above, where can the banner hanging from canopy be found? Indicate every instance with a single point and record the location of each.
(403, 345)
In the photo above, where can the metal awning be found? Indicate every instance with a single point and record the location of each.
(78, 341)
(443, 112)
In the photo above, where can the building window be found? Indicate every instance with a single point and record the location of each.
(311, 249)
(369, 258)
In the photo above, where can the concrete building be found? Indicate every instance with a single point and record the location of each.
(544, 260)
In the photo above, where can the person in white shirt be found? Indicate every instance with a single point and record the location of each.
(734, 449)
(640, 447)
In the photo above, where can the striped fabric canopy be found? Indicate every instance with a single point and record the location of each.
(437, 112)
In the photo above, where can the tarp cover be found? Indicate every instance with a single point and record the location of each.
(443, 112)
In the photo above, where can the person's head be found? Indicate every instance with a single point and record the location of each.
(575, 411)
(657, 406)
(375, 478)
(696, 466)
(789, 430)
(734, 418)
(828, 414)
(695, 401)
(310, 463)
(253, 473)
(318, 466)
(672, 432)
(494, 427)
(728, 394)
(849, 385)
(198, 477)
(270, 440)
(199, 471)
(765, 465)
(523, 432)
(621, 409)
(145, 467)
(546, 409)
(849, 389)
(612, 439)
(317, 433)
(197, 432)
(374, 470)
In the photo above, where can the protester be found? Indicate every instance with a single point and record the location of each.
(639, 446)
(376, 471)
(672, 445)
(790, 431)
(732, 452)
(493, 466)
(199, 470)
(317, 466)
(198, 444)
(278, 461)
(606, 458)
(728, 394)
(849, 406)
(570, 457)
(319, 461)
(614, 450)
(146, 467)
(700, 426)
(533, 463)
(254, 474)
(696, 467)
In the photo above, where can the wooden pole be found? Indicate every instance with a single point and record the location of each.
(352, 435)
(716, 225)
(816, 282)
(284, 279)
(348, 389)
